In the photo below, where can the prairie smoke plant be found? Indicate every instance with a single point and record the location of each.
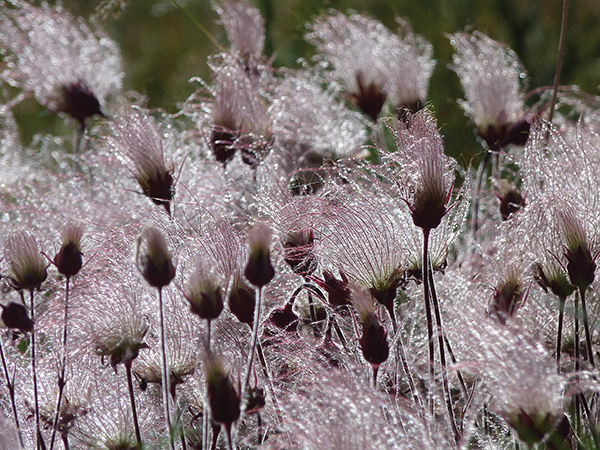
(137, 138)
(68, 66)
(493, 80)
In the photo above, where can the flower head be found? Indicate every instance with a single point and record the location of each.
(14, 315)
(373, 341)
(493, 79)
(425, 175)
(259, 270)
(27, 266)
(203, 293)
(136, 137)
(223, 399)
(153, 257)
(69, 67)
(68, 260)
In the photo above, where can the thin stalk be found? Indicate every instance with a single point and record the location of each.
(588, 335)
(228, 436)
(411, 383)
(38, 431)
(205, 418)
(561, 314)
(577, 364)
(61, 375)
(136, 425)
(375, 371)
(65, 439)
(463, 385)
(165, 371)
(429, 319)
(254, 339)
(440, 331)
(559, 59)
(11, 391)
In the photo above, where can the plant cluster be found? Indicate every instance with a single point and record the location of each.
(291, 260)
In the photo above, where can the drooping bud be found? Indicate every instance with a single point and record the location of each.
(510, 198)
(385, 293)
(121, 348)
(284, 318)
(154, 258)
(242, 301)
(298, 253)
(554, 280)
(369, 98)
(204, 295)
(373, 341)
(223, 399)
(69, 259)
(14, 315)
(26, 264)
(259, 270)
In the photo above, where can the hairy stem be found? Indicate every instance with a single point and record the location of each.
(440, 332)
(136, 425)
(205, 418)
(165, 371)
(254, 339)
(11, 391)
(63, 363)
(429, 319)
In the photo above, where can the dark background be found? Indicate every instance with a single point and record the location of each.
(162, 48)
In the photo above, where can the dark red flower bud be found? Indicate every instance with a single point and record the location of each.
(14, 315)
(259, 270)
(153, 257)
(373, 341)
(223, 399)
(69, 259)
(337, 290)
(242, 301)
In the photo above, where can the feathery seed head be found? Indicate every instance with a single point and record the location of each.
(27, 266)
(153, 257)
(136, 137)
(424, 172)
(69, 260)
(204, 294)
(223, 399)
(581, 265)
(259, 270)
(245, 28)
(493, 80)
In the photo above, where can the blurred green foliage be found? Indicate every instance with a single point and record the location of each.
(162, 48)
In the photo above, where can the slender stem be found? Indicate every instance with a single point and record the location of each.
(375, 371)
(440, 332)
(136, 425)
(559, 59)
(38, 431)
(561, 314)
(463, 385)
(61, 375)
(254, 339)
(577, 364)
(206, 413)
(65, 439)
(11, 391)
(228, 436)
(165, 371)
(411, 382)
(429, 318)
(588, 335)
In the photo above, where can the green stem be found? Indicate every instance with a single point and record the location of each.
(165, 371)
(588, 335)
